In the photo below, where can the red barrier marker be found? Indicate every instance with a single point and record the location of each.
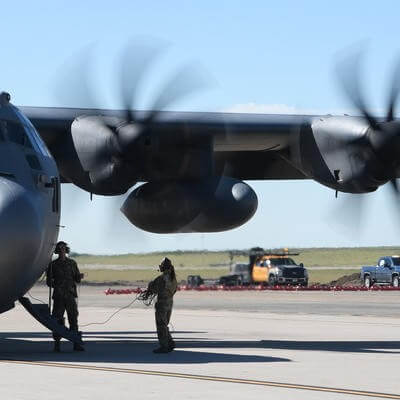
(204, 288)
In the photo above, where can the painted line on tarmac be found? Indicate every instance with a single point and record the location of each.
(207, 378)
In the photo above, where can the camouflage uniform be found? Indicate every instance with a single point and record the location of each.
(63, 275)
(165, 287)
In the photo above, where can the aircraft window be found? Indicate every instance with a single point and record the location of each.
(16, 133)
(41, 147)
(33, 161)
(2, 130)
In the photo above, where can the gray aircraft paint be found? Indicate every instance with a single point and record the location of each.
(29, 205)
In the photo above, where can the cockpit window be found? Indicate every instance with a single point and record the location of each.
(16, 133)
(38, 142)
(2, 130)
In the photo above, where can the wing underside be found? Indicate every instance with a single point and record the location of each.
(246, 146)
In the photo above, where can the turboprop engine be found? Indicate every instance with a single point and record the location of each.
(211, 205)
(335, 151)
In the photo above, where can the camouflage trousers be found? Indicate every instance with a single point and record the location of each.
(62, 304)
(163, 315)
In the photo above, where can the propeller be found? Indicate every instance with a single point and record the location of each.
(382, 140)
(383, 135)
(112, 150)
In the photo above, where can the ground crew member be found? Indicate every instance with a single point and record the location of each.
(63, 275)
(165, 287)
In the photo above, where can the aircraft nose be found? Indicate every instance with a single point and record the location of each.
(20, 239)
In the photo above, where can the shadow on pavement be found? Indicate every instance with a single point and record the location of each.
(335, 346)
(137, 346)
(112, 347)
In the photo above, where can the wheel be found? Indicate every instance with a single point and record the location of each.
(395, 281)
(239, 281)
(271, 280)
(305, 284)
(367, 281)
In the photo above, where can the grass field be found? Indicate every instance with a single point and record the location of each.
(329, 257)
(326, 276)
(108, 275)
(180, 259)
(213, 264)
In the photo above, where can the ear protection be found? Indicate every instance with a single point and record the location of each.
(58, 246)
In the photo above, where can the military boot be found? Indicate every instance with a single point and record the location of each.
(57, 346)
(171, 345)
(162, 350)
(78, 347)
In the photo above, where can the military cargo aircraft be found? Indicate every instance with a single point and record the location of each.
(191, 165)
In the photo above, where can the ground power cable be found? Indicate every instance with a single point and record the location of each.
(145, 297)
(112, 315)
(35, 298)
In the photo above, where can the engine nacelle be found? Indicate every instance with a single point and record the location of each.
(96, 147)
(212, 205)
(331, 150)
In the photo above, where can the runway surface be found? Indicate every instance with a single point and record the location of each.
(303, 345)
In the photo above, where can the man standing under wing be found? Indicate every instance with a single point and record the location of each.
(165, 287)
(63, 275)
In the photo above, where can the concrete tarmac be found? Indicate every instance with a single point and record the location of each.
(270, 345)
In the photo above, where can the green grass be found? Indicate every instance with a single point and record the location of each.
(204, 263)
(339, 257)
(330, 257)
(108, 275)
(326, 276)
(179, 259)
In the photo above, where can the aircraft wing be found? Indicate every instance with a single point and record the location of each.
(194, 163)
(245, 146)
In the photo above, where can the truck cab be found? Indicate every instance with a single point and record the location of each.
(278, 269)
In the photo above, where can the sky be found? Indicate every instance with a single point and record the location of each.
(269, 57)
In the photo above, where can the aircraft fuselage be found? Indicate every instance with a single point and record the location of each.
(29, 204)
